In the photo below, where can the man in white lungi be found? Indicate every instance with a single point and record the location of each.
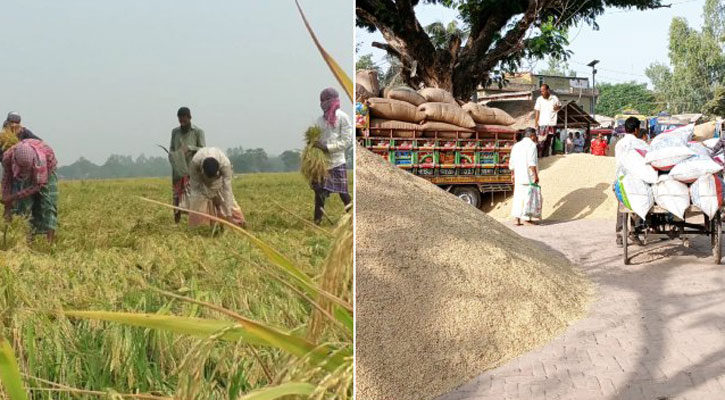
(524, 166)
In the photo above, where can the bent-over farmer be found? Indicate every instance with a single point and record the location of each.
(336, 138)
(30, 185)
(210, 174)
(524, 167)
(186, 140)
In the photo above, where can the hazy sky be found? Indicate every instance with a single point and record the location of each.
(95, 78)
(627, 41)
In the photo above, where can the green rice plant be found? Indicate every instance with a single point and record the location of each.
(9, 372)
(109, 255)
(314, 161)
(111, 250)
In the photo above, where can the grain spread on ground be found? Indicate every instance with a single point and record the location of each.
(574, 186)
(444, 291)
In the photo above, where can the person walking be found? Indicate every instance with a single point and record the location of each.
(335, 140)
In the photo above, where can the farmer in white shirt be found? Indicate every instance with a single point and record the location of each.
(632, 139)
(547, 107)
(524, 171)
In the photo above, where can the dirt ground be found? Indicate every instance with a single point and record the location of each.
(656, 329)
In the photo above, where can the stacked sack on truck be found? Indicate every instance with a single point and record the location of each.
(672, 172)
(429, 112)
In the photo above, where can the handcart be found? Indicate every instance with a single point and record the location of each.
(661, 224)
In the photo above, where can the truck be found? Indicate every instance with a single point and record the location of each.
(466, 164)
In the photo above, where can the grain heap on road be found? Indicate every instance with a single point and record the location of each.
(574, 186)
(444, 291)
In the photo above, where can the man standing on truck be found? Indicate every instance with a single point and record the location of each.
(524, 167)
(546, 109)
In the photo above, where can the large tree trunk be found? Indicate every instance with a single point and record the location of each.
(458, 69)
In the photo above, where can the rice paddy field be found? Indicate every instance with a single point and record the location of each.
(114, 252)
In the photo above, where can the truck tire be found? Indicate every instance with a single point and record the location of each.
(469, 194)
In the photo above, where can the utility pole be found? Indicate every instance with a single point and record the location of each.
(594, 84)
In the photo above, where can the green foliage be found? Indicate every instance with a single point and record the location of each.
(109, 241)
(502, 33)
(557, 67)
(366, 62)
(697, 63)
(614, 98)
(291, 160)
(441, 34)
(716, 106)
(119, 166)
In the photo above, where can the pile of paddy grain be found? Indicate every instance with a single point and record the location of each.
(574, 186)
(445, 292)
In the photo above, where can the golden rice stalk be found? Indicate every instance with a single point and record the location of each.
(8, 139)
(314, 160)
(337, 274)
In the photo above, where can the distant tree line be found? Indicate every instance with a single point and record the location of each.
(119, 166)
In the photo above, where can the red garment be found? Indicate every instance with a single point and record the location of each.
(44, 164)
(599, 147)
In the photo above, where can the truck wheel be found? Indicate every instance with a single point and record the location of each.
(468, 194)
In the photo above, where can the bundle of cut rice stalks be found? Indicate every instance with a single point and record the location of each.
(314, 160)
(8, 139)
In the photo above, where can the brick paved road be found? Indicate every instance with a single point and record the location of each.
(656, 329)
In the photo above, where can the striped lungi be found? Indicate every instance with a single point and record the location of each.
(42, 207)
(334, 182)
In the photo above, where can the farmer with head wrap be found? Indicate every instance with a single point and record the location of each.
(335, 139)
(13, 132)
(186, 140)
(30, 185)
(210, 173)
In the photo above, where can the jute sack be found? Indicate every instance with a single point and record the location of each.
(488, 115)
(445, 112)
(405, 94)
(401, 129)
(362, 94)
(368, 79)
(704, 131)
(435, 95)
(394, 109)
(444, 130)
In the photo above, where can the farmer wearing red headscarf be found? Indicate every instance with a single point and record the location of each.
(336, 138)
(30, 185)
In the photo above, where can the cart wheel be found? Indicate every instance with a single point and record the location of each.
(717, 238)
(625, 237)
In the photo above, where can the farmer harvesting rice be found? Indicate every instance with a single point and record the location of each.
(523, 165)
(186, 140)
(335, 139)
(210, 173)
(631, 139)
(546, 109)
(30, 185)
